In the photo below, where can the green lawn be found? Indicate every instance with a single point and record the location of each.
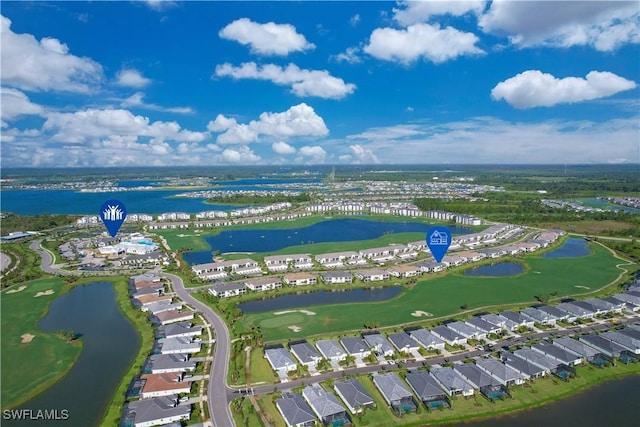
(444, 296)
(28, 369)
(260, 369)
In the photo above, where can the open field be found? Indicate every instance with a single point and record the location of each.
(444, 295)
(30, 367)
(189, 239)
(590, 227)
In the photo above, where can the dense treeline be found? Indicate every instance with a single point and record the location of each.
(248, 199)
(12, 222)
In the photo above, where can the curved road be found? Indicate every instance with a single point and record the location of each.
(218, 393)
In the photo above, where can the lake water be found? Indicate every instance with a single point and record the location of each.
(337, 230)
(496, 270)
(320, 298)
(611, 404)
(572, 248)
(34, 202)
(110, 343)
(603, 204)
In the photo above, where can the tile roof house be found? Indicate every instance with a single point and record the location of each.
(295, 411)
(325, 405)
(451, 381)
(152, 412)
(353, 395)
(394, 392)
(165, 384)
(167, 317)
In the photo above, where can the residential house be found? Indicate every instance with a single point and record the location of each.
(166, 384)
(527, 369)
(355, 346)
(394, 392)
(538, 316)
(502, 373)
(474, 375)
(575, 311)
(338, 259)
(160, 306)
(559, 354)
(629, 339)
(283, 262)
(164, 363)
(632, 302)
(300, 279)
(372, 275)
(176, 345)
(427, 339)
(451, 381)
(430, 266)
(518, 319)
(173, 316)
(336, 277)
(280, 360)
(226, 290)
(427, 389)
(448, 335)
(580, 348)
(262, 284)
(295, 411)
(403, 271)
(403, 342)
(466, 330)
(499, 321)
(379, 344)
(379, 255)
(182, 329)
(555, 312)
(305, 353)
(537, 358)
(141, 301)
(330, 349)
(483, 325)
(326, 406)
(603, 305)
(603, 345)
(153, 412)
(353, 395)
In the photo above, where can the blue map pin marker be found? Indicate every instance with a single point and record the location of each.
(438, 240)
(113, 214)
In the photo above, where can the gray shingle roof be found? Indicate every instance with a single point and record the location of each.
(424, 385)
(604, 345)
(446, 333)
(402, 341)
(323, 403)
(498, 369)
(462, 329)
(330, 348)
(179, 328)
(353, 392)
(480, 324)
(576, 346)
(378, 343)
(474, 375)
(564, 356)
(425, 338)
(391, 387)
(450, 379)
(279, 357)
(169, 361)
(294, 409)
(354, 345)
(514, 317)
(521, 365)
(536, 358)
(148, 410)
(305, 352)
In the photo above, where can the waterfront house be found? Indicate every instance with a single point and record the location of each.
(403, 271)
(299, 279)
(167, 384)
(603, 345)
(175, 345)
(182, 329)
(560, 355)
(165, 363)
(226, 290)
(502, 373)
(173, 316)
(427, 389)
(394, 392)
(430, 266)
(539, 359)
(629, 339)
(580, 348)
(372, 275)
(354, 395)
(160, 306)
(142, 301)
(153, 412)
(326, 406)
(474, 375)
(283, 262)
(451, 381)
(295, 411)
(338, 259)
(262, 284)
(527, 369)
(336, 277)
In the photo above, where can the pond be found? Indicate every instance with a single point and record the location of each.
(574, 247)
(337, 230)
(110, 343)
(499, 269)
(320, 298)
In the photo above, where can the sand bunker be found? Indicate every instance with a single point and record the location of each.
(26, 338)
(419, 313)
(13, 291)
(47, 292)
(307, 312)
(580, 286)
(295, 328)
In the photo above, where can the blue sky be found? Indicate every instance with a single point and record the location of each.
(205, 83)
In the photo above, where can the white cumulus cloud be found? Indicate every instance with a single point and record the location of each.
(412, 12)
(266, 39)
(533, 88)
(312, 154)
(317, 83)
(603, 25)
(299, 120)
(137, 100)
(44, 65)
(350, 55)
(425, 41)
(282, 147)
(131, 78)
(242, 155)
(362, 155)
(14, 104)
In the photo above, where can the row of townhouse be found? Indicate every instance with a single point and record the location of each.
(153, 396)
(221, 269)
(212, 222)
(91, 220)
